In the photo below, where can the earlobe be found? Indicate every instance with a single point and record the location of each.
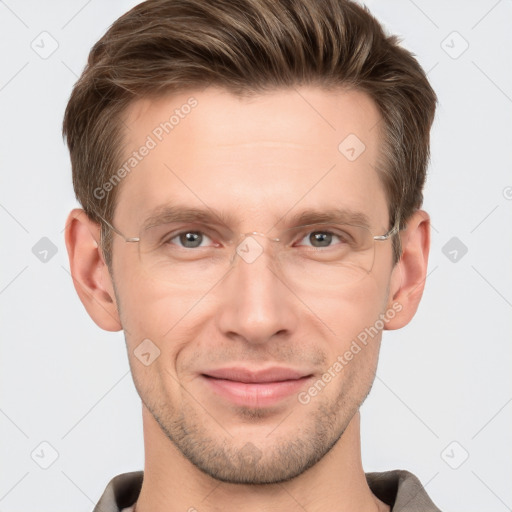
(409, 274)
(89, 272)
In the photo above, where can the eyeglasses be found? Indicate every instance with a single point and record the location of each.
(311, 257)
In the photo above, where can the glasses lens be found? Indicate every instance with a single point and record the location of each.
(326, 257)
(185, 256)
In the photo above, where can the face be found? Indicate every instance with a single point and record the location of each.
(257, 164)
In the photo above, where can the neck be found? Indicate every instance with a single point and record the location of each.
(171, 483)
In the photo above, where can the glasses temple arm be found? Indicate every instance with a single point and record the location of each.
(393, 231)
(115, 230)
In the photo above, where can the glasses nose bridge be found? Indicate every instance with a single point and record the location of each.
(248, 246)
(258, 233)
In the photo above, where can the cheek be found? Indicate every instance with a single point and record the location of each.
(354, 311)
(352, 351)
(164, 324)
(149, 309)
(156, 331)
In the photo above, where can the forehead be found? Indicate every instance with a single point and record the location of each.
(257, 156)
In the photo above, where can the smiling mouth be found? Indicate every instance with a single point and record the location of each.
(256, 376)
(255, 390)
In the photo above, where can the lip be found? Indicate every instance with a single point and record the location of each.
(248, 376)
(255, 388)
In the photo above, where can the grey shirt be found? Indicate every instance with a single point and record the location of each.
(399, 489)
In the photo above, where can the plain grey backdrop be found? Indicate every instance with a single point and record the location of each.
(441, 405)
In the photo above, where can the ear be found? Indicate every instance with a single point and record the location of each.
(409, 274)
(89, 271)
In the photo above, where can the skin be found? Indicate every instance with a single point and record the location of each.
(259, 159)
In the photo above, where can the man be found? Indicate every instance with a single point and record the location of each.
(251, 174)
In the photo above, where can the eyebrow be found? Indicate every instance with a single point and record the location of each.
(172, 213)
(332, 215)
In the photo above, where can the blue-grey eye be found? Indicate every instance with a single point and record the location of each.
(320, 238)
(190, 239)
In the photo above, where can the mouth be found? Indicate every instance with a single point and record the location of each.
(255, 388)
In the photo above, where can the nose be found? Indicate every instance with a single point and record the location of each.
(256, 304)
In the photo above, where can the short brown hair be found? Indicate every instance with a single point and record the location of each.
(247, 47)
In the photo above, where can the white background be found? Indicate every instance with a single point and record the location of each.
(444, 378)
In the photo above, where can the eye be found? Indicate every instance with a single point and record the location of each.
(189, 239)
(324, 238)
(319, 238)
